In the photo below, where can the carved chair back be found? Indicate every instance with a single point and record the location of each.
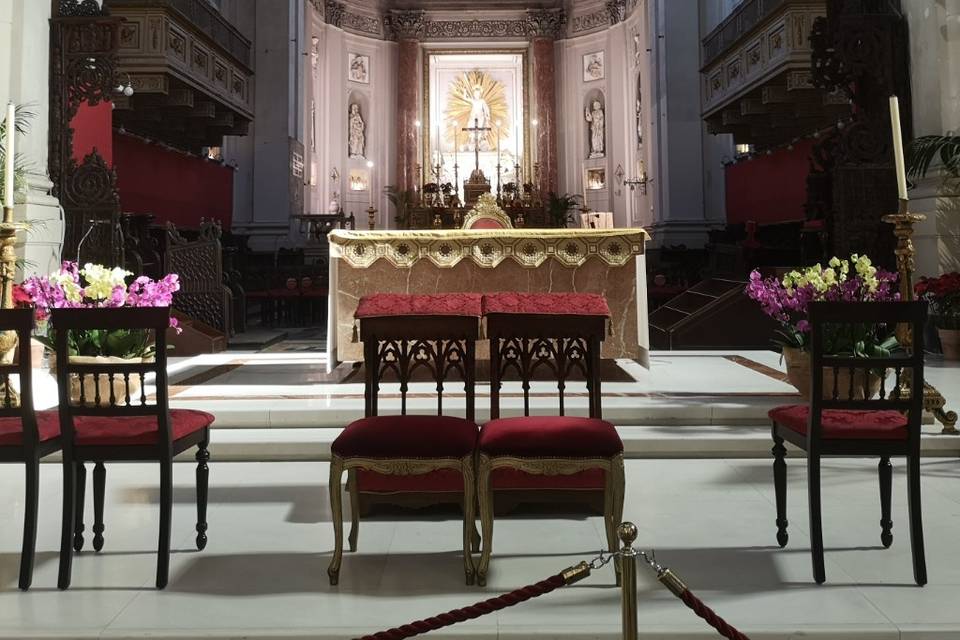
(566, 347)
(19, 322)
(111, 387)
(842, 381)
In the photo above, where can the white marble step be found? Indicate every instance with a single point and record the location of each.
(648, 441)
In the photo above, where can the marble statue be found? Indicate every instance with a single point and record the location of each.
(594, 115)
(479, 110)
(357, 129)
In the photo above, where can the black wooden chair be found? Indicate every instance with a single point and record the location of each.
(842, 418)
(106, 415)
(25, 436)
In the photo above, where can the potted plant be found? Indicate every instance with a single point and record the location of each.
(943, 295)
(96, 286)
(402, 200)
(559, 207)
(787, 300)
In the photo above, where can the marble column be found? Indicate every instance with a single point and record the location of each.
(408, 54)
(24, 79)
(544, 91)
(408, 28)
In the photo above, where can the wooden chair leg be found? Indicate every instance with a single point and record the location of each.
(67, 522)
(916, 520)
(336, 508)
(32, 498)
(353, 488)
(203, 491)
(613, 507)
(469, 499)
(885, 473)
(485, 498)
(166, 514)
(81, 489)
(99, 491)
(780, 487)
(816, 524)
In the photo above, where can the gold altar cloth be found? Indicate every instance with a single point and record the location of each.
(488, 247)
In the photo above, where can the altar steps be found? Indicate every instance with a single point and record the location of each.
(713, 314)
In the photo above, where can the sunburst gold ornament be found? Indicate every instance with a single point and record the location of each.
(476, 95)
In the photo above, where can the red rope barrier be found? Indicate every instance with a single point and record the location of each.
(483, 608)
(711, 617)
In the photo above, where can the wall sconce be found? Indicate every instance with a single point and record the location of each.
(124, 86)
(640, 181)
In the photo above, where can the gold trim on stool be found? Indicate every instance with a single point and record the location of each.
(401, 467)
(614, 490)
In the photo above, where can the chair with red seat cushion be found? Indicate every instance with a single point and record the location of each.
(26, 436)
(122, 422)
(843, 420)
(402, 334)
(561, 333)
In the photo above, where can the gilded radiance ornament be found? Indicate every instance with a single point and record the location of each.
(474, 98)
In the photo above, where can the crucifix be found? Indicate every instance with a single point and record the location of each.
(476, 129)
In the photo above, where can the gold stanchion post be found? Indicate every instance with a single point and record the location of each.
(628, 573)
(903, 221)
(8, 270)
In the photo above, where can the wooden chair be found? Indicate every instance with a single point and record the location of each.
(561, 333)
(122, 423)
(843, 420)
(402, 334)
(25, 436)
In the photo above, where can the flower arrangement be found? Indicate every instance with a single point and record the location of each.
(97, 286)
(854, 280)
(943, 295)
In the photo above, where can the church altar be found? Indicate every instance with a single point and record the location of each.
(610, 262)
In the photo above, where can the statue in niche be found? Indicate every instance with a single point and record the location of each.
(357, 135)
(594, 116)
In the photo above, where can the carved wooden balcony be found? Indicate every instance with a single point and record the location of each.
(756, 74)
(190, 69)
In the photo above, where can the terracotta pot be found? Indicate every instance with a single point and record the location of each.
(92, 384)
(798, 374)
(950, 343)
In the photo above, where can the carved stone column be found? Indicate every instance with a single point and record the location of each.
(544, 27)
(407, 27)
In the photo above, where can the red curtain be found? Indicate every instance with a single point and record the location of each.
(769, 189)
(93, 129)
(171, 185)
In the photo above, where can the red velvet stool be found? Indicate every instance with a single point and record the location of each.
(401, 335)
(561, 333)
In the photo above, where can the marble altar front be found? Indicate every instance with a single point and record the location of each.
(610, 262)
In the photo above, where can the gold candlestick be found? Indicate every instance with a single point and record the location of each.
(8, 270)
(372, 217)
(903, 221)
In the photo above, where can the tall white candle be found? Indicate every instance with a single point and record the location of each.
(898, 147)
(8, 174)
(370, 180)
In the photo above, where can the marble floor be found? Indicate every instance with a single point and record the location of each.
(263, 575)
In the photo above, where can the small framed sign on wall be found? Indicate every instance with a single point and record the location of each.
(593, 66)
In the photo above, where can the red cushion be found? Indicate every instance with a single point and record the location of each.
(11, 429)
(568, 304)
(381, 305)
(844, 425)
(550, 436)
(407, 437)
(136, 430)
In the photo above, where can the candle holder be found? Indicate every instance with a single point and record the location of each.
(903, 221)
(372, 217)
(8, 269)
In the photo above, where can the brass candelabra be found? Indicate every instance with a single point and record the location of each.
(903, 221)
(372, 217)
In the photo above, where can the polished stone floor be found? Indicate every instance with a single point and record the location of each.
(263, 575)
